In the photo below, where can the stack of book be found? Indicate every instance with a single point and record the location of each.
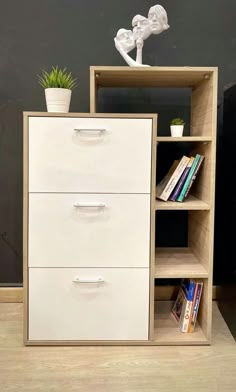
(186, 306)
(177, 183)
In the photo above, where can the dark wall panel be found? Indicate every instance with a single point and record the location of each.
(79, 33)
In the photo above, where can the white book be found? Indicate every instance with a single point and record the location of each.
(166, 186)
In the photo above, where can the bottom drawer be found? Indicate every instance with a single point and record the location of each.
(88, 303)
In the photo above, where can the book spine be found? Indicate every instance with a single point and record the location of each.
(181, 182)
(182, 193)
(174, 178)
(189, 290)
(196, 306)
(192, 310)
(194, 176)
(186, 317)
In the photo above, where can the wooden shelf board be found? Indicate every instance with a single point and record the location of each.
(191, 203)
(178, 263)
(150, 76)
(168, 139)
(166, 329)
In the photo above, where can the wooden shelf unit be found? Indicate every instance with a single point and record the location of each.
(196, 260)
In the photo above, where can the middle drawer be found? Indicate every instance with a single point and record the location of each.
(89, 230)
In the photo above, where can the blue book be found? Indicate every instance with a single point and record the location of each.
(188, 286)
(188, 180)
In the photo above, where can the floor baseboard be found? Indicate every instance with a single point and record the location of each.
(11, 294)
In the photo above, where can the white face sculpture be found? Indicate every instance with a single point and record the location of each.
(158, 20)
(125, 39)
(141, 27)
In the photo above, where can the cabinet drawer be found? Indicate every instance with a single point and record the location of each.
(115, 308)
(89, 155)
(89, 230)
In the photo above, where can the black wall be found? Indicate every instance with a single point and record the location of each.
(77, 34)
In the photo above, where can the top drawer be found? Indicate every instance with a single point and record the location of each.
(89, 154)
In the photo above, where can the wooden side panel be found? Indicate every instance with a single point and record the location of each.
(93, 91)
(25, 225)
(204, 184)
(198, 236)
(201, 108)
(152, 232)
(201, 224)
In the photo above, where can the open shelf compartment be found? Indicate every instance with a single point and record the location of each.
(178, 263)
(199, 197)
(166, 329)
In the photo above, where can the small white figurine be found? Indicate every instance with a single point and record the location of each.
(158, 20)
(124, 43)
(141, 30)
(126, 40)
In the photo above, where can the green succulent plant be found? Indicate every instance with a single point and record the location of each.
(57, 78)
(177, 121)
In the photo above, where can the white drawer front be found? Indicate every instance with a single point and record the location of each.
(89, 230)
(102, 155)
(116, 309)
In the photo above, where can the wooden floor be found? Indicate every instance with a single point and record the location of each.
(114, 369)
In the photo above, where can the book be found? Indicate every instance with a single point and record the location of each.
(183, 304)
(166, 186)
(194, 175)
(195, 306)
(188, 179)
(181, 182)
(188, 286)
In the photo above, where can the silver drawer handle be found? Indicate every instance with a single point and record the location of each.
(77, 279)
(90, 130)
(89, 205)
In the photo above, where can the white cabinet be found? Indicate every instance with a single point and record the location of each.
(63, 306)
(89, 230)
(88, 222)
(89, 155)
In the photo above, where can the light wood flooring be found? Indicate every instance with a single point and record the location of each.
(114, 369)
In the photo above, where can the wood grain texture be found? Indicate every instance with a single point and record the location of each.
(93, 92)
(91, 115)
(152, 231)
(202, 107)
(178, 263)
(202, 187)
(25, 223)
(167, 330)
(191, 203)
(149, 77)
(11, 294)
(114, 369)
(171, 139)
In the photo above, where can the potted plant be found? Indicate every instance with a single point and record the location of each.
(177, 127)
(58, 85)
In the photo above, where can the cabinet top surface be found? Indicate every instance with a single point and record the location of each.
(151, 116)
(150, 76)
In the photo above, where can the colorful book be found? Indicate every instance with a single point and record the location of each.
(183, 304)
(178, 305)
(181, 182)
(188, 287)
(188, 179)
(166, 186)
(195, 307)
(194, 175)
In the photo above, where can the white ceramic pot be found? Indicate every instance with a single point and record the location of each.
(58, 99)
(176, 130)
